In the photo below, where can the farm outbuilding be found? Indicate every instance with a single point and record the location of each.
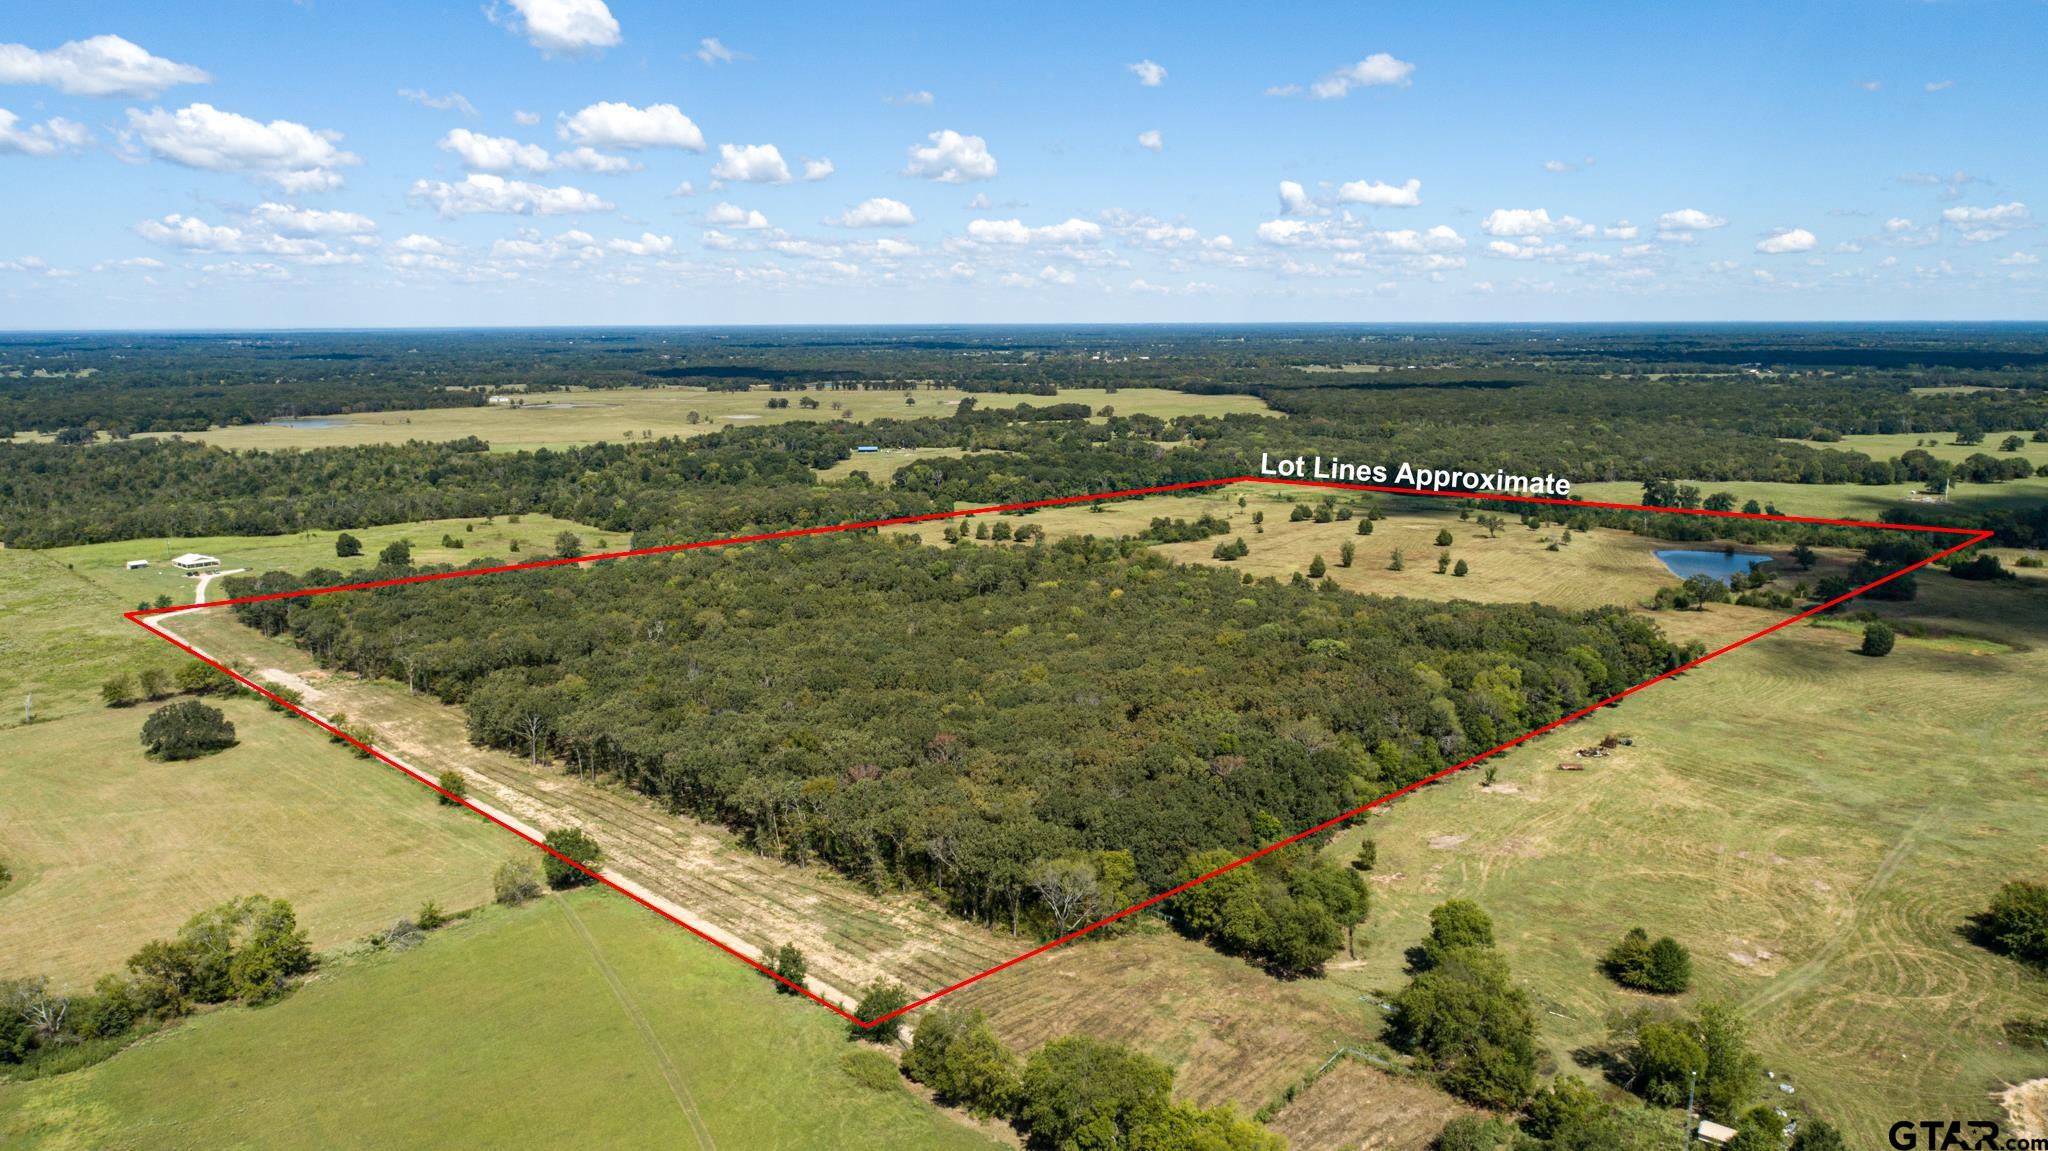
(137, 565)
(1712, 1132)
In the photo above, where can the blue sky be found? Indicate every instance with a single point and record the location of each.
(268, 163)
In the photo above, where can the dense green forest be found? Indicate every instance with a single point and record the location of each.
(1606, 404)
(1839, 378)
(953, 719)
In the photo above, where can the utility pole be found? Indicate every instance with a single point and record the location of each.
(1691, 1086)
(28, 708)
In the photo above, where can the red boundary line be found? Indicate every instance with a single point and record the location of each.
(140, 618)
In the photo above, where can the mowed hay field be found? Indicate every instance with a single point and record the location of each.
(1841, 501)
(1943, 445)
(61, 631)
(1602, 566)
(111, 849)
(1817, 826)
(569, 418)
(577, 1020)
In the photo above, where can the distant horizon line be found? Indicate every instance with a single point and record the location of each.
(1039, 325)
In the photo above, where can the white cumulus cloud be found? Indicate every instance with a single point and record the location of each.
(879, 212)
(482, 192)
(495, 153)
(1378, 69)
(952, 158)
(47, 138)
(1073, 231)
(99, 66)
(1408, 195)
(1152, 140)
(648, 244)
(1294, 200)
(1527, 222)
(562, 27)
(817, 169)
(751, 164)
(734, 216)
(1149, 74)
(1686, 220)
(202, 136)
(286, 219)
(1786, 241)
(1980, 225)
(609, 124)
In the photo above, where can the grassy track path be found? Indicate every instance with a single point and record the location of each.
(667, 1066)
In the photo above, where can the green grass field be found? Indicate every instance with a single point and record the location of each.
(1815, 825)
(881, 465)
(61, 631)
(566, 419)
(578, 1021)
(1943, 445)
(1839, 501)
(111, 849)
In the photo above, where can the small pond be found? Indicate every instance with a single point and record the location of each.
(1688, 562)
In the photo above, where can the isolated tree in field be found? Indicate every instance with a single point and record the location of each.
(1317, 568)
(1670, 967)
(1803, 555)
(346, 545)
(1455, 923)
(1664, 967)
(876, 1000)
(957, 1055)
(1068, 888)
(1877, 639)
(1365, 526)
(1468, 1023)
(2011, 444)
(119, 690)
(791, 965)
(1368, 855)
(1443, 562)
(187, 729)
(396, 554)
(1346, 554)
(1443, 537)
(153, 682)
(1492, 523)
(515, 881)
(2017, 921)
(568, 545)
(455, 785)
(573, 843)
(1461, 568)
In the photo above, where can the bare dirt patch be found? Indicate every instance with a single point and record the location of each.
(2027, 1105)
(1357, 1108)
